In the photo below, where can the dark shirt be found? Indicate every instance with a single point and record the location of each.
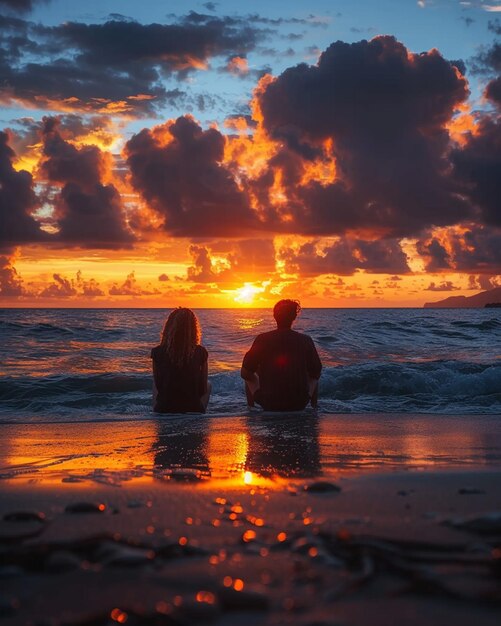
(284, 360)
(179, 387)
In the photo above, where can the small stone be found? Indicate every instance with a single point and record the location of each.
(193, 611)
(8, 606)
(402, 492)
(470, 491)
(25, 516)
(125, 556)
(249, 600)
(62, 561)
(134, 504)
(14, 531)
(85, 507)
(322, 486)
(430, 515)
(10, 571)
(72, 479)
(487, 524)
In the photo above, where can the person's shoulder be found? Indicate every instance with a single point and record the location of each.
(156, 352)
(202, 352)
(302, 337)
(264, 338)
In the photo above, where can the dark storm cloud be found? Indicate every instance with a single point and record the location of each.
(117, 66)
(488, 60)
(88, 212)
(21, 6)
(493, 90)
(478, 165)
(478, 249)
(201, 271)
(17, 201)
(483, 281)
(345, 257)
(178, 170)
(437, 257)
(488, 63)
(385, 111)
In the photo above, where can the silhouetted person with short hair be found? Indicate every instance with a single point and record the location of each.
(282, 368)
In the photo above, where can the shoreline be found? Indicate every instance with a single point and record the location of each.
(283, 445)
(255, 520)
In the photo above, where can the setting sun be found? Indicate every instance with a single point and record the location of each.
(247, 293)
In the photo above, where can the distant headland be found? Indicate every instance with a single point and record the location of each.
(490, 298)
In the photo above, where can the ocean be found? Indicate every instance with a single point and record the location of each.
(73, 365)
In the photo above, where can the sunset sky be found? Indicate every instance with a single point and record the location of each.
(219, 154)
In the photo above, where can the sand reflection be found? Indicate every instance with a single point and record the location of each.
(255, 450)
(180, 451)
(285, 446)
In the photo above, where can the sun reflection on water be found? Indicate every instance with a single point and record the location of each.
(242, 452)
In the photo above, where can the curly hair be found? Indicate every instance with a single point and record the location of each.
(286, 311)
(181, 335)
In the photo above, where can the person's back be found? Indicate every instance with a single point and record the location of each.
(180, 366)
(179, 385)
(282, 367)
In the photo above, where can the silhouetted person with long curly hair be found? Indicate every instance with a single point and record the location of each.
(180, 369)
(282, 368)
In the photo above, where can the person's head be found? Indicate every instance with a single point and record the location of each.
(181, 334)
(285, 312)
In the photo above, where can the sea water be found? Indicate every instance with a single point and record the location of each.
(65, 365)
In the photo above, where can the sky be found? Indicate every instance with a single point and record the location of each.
(229, 154)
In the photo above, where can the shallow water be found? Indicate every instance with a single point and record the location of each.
(244, 450)
(62, 365)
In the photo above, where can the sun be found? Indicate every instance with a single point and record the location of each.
(246, 294)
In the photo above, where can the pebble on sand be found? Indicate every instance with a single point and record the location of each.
(322, 486)
(85, 507)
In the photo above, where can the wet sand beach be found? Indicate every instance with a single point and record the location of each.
(299, 519)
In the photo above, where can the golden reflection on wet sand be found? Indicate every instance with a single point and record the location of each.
(254, 450)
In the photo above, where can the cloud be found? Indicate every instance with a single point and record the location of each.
(88, 212)
(232, 261)
(484, 282)
(21, 6)
(467, 249)
(117, 67)
(130, 287)
(380, 113)
(61, 288)
(477, 165)
(238, 66)
(11, 284)
(178, 169)
(493, 90)
(17, 201)
(446, 285)
(201, 271)
(345, 257)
